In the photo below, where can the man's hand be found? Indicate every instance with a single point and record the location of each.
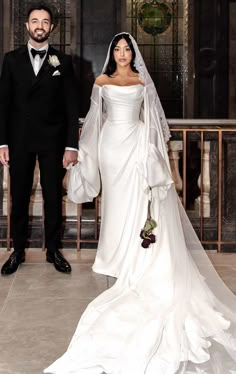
(70, 157)
(4, 156)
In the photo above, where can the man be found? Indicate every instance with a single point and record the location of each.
(38, 120)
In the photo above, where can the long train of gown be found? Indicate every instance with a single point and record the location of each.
(161, 316)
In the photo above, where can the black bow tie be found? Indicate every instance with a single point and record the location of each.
(35, 52)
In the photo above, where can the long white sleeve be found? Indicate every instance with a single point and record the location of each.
(84, 179)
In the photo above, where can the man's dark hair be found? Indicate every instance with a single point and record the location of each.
(41, 6)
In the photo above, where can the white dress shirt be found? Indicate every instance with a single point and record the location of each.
(37, 61)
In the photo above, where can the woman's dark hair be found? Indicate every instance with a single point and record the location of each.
(111, 65)
(42, 5)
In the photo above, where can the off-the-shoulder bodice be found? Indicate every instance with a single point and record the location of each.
(123, 103)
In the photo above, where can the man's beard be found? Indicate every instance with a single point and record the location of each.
(39, 38)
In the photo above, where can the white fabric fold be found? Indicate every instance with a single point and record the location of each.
(84, 177)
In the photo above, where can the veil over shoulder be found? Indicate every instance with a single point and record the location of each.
(169, 312)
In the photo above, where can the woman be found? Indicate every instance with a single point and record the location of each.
(168, 311)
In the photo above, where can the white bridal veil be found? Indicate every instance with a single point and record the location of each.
(159, 134)
(202, 311)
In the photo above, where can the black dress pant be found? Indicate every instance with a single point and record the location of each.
(22, 166)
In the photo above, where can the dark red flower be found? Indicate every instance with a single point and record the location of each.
(152, 238)
(145, 243)
(142, 234)
(147, 231)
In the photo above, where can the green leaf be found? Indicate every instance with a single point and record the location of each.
(150, 224)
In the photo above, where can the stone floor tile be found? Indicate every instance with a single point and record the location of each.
(42, 280)
(222, 258)
(34, 332)
(228, 274)
(40, 307)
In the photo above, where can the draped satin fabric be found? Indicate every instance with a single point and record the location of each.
(168, 312)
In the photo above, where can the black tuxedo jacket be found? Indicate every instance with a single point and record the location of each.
(38, 113)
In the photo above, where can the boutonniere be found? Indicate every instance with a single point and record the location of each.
(53, 60)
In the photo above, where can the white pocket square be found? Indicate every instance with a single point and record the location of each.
(56, 73)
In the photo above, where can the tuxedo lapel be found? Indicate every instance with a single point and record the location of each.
(26, 64)
(45, 69)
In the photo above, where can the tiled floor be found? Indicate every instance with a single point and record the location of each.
(40, 308)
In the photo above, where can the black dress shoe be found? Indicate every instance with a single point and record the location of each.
(13, 262)
(60, 263)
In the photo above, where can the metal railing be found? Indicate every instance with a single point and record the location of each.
(207, 131)
(184, 131)
(207, 218)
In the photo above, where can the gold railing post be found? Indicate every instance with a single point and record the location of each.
(201, 188)
(184, 166)
(79, 214)
(219, 226)
(8, 212)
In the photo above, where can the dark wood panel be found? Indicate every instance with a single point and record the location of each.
(1, 31)
(98, 22)
(211, 58)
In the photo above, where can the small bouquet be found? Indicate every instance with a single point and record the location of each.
(147, 231)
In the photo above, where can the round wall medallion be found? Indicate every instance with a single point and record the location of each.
(154, 17)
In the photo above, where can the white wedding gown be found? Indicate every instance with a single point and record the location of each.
(161, 316)
(122, 156)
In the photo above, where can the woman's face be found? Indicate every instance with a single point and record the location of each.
(122, 53)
